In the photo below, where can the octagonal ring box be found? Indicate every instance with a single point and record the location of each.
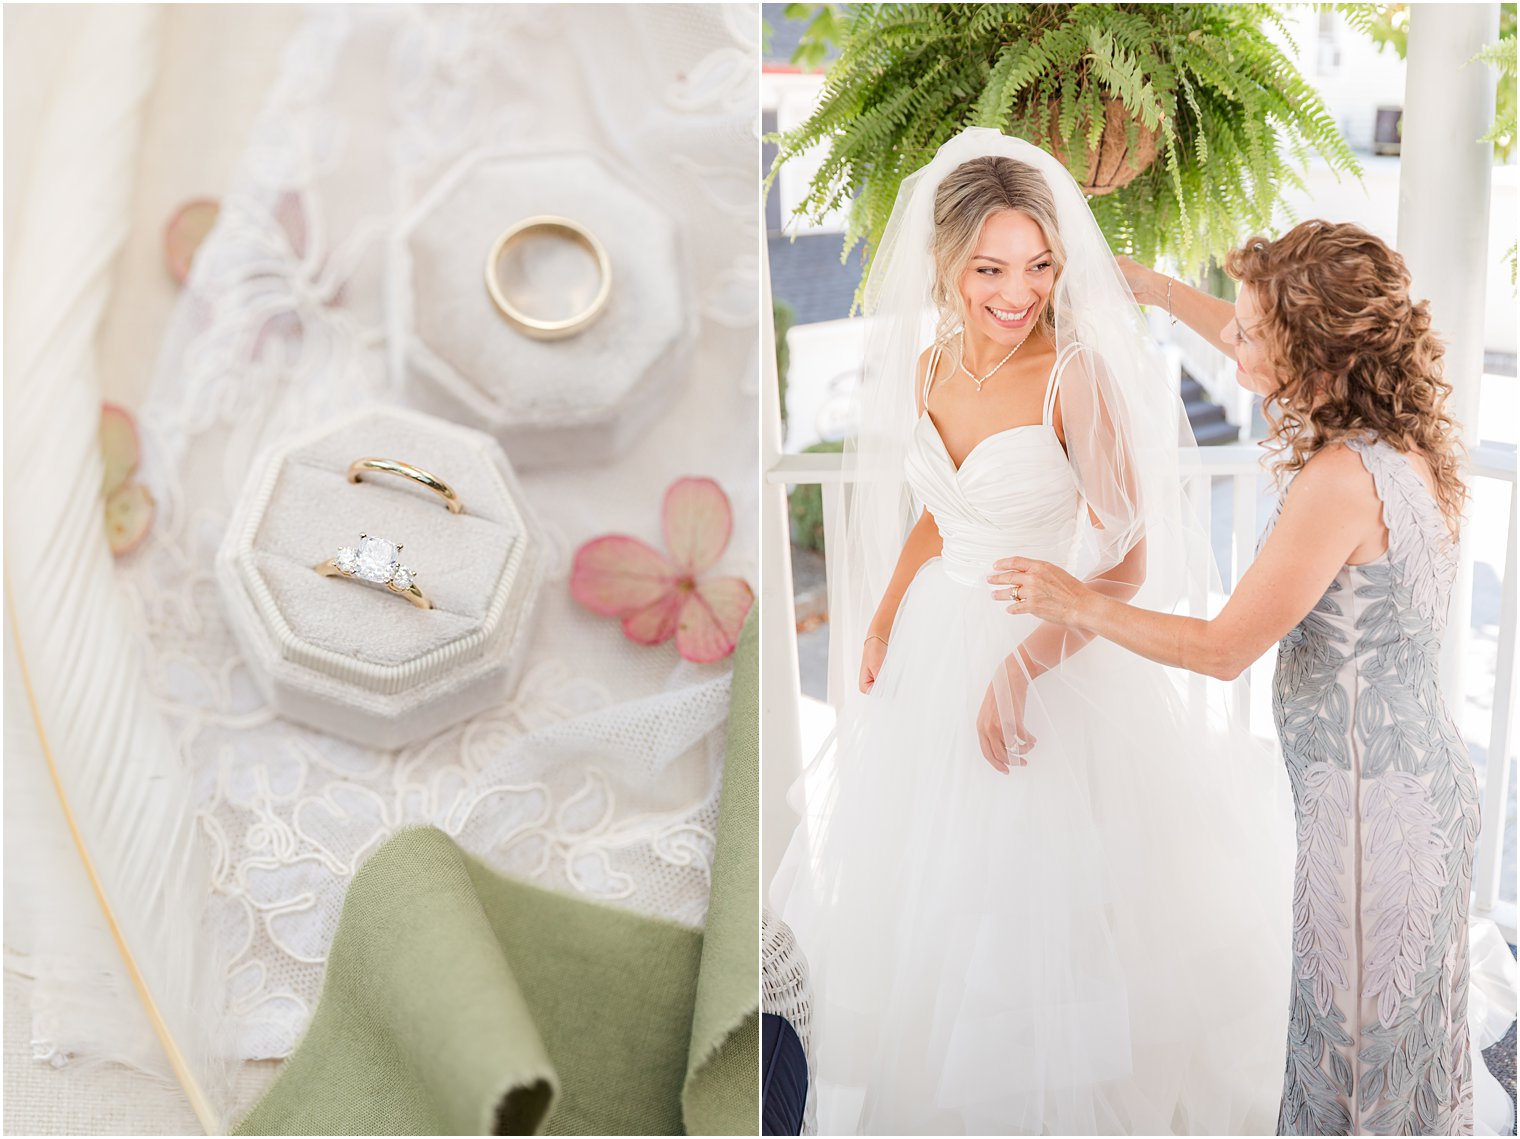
(351, 658)
(583, 398)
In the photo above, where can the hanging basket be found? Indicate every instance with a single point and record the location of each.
(1114, 163)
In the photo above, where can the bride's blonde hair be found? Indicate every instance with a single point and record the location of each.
(964, 200)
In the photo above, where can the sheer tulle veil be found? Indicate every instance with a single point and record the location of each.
(1064, 949)
(1127, 434)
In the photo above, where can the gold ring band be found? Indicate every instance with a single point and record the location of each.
(377, 562)
(537, 327)
(405, 470)
(412, 593)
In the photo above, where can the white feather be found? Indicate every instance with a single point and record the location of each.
(132, 974)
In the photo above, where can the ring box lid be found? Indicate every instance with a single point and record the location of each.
(452, 334)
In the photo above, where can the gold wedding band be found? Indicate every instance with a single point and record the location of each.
(407, 471)
(537, 327)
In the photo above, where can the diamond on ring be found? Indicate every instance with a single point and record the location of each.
(378, 561)
(375, 560)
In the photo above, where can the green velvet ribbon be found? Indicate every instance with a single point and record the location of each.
(460, 1002)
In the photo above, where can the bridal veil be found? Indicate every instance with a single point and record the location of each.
(1096, 942)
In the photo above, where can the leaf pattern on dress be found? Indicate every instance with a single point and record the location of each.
(1314, 1098)
(1423, 550)
(1377, 1038)
(1320, 925)
(1404, 855)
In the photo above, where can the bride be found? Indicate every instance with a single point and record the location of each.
(1077, 931)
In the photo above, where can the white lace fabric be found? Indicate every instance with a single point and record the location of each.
(600, 776)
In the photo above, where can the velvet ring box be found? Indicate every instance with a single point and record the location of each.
(583, 398)
(351, 658)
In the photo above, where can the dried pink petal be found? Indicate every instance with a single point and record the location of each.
(184, 234)
(119, 446)
(698, 523)
(129, 514)
(617, 575)
(712, 619)
(655, 624)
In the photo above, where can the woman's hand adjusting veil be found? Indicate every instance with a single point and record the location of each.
(1039, 589)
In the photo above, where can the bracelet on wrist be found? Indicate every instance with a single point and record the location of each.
(878, 637)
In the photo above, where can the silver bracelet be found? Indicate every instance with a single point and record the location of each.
(1169, 300)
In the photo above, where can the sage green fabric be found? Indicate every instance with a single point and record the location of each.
(457, 1001)
(722, 1093)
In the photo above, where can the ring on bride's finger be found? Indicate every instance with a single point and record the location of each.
(1014, 593)
(376, 561)
(443, 490)
(542, 327)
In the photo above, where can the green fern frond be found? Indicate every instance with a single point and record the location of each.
(1500, 55)
(1236, 123)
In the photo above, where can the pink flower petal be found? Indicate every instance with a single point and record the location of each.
(129, 514)
(186, 230)
(118, 445)
(617, 575)
(712, 619)
(698, 523)
(655, 624)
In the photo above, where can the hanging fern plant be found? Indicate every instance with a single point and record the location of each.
(1185, 123)
(1501, 56)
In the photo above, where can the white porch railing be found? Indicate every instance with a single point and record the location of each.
(1241, 464)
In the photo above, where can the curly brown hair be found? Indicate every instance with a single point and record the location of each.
(1351, 350)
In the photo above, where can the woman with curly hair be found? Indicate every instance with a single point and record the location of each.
(1353, 579)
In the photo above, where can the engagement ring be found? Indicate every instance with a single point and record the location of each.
(375, 560)
(407, 471)
(540, 327)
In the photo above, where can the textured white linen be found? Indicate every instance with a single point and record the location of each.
(188, 142)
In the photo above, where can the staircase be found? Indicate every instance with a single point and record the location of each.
(1210, 427)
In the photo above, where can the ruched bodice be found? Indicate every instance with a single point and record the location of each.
(1014, 494)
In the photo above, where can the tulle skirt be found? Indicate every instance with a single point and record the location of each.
(1096, 943)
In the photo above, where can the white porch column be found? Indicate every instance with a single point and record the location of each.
(1443, 224)
(780, 685)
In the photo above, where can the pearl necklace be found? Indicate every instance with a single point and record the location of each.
(988, 374)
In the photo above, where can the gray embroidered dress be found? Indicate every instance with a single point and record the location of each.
(1387, 818)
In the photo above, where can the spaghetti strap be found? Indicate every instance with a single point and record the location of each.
(1053, 385)
(934, 354)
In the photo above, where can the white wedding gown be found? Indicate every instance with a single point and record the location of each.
(1095, 943)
